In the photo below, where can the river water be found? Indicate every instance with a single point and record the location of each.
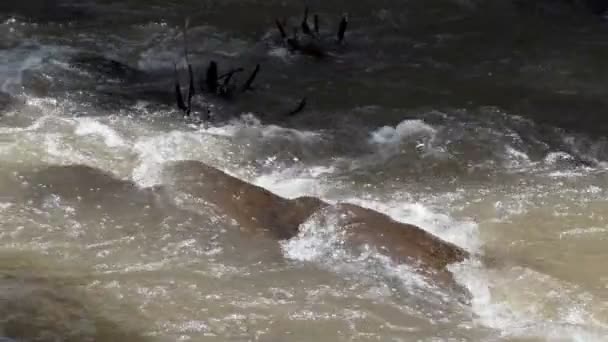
(481, 122)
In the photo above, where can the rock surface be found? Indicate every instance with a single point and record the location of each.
(259, 210)
(256, 210)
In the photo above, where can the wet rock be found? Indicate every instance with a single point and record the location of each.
(404, 243)
(259, 210)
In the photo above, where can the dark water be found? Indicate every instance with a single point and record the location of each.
(483, 122)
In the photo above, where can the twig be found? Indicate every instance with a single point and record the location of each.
(254, 74)
(299, 108)
(342, 28)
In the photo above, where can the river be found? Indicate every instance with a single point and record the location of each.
(482, 122)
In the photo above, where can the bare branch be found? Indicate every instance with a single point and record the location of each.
(342, 28)
(299, 108)
(254, 74)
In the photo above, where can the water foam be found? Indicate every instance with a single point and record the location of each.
(92, 127)
(507, 300)
(293, 182)
(516, 158)
(322, 240)
(390, 140)
(584, 232)
(405, 130)
(37, 125)
(154, 151)
(249, 127)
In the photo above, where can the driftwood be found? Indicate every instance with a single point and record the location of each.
(314, 44)
(224, 86)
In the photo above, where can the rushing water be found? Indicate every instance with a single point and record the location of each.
(481, 122)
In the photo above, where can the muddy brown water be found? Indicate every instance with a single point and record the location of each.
(480, 121)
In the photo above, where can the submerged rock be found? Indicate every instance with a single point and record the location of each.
(108, 67)
(41, 308)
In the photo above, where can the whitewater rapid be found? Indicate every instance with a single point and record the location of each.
(502, 299)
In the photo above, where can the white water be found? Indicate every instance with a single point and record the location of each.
(514, 300)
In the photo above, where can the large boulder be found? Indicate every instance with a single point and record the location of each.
(260, 211)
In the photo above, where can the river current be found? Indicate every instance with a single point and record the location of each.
(481, 122)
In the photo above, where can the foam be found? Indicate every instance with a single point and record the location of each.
(389, 141)
(508, 300)
(555, 157)
(249, 127)
(406, 129)
(154, 151)
(463, 233)
(321, 241)
(516, 158)
(583, 232)
(295, 181)
(92, 127)
(35, 126)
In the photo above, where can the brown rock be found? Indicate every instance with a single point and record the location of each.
(403, 243)
(255, 209)
(259, 210)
